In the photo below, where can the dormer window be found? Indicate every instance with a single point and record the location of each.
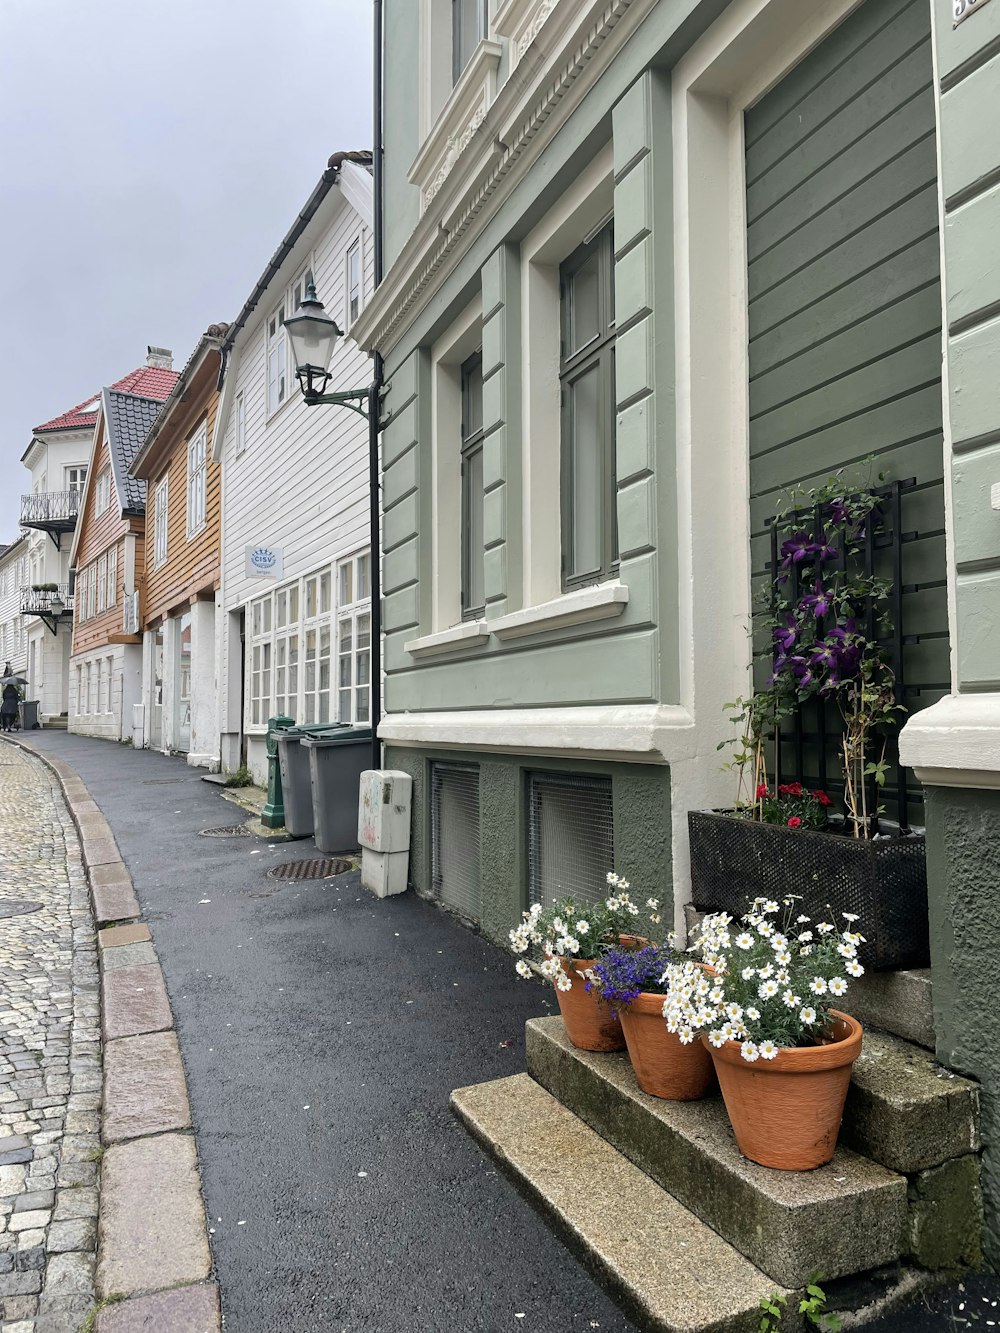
(103, 495)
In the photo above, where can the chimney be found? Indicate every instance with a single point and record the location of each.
(159, 358)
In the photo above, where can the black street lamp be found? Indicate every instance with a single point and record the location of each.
(313, 335)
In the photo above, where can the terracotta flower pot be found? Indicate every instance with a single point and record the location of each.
(664, 1066)
(590, 1024)
(786, 1112)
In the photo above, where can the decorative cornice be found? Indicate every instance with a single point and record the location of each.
(460, 118)
(413, 272)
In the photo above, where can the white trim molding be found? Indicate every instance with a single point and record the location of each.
(460, 118)
(579, 607)
(521, 22)
(466, 635)
(955, 742)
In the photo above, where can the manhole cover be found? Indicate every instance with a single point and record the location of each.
(13, 907)
(226, 831)
(319, 867)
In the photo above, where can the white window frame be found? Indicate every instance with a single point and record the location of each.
(91, 590)
(276, 353)
(260, 663)
(102, 584)
(356, 248)
(102, 498)
(354, 622)
(241, 423)
(112, 577)
(197, 481)
(110, 664)
(317, 650)
(161, 523)
(76, 477)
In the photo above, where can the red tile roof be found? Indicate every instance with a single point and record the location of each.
(146, 381)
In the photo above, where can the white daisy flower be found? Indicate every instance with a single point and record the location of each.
(563, 982)
(522, 968)
(824, 927)
(765, 929)
(818, 986)
(767, 989)
(766, 971)
(728, 1031)
(752, 1013)
(744, 941)
(838, 986)
(849, 916)
(854, 968)
(807, 1015)
(717, 1039)
(790, 1001)
(748, 972)
(583, 927)
(685, 1035)
(749, 1051)
(734, 1011)
(847, 950)
(768, 1050)
(783, 957)
(769, 905)
(653, 904)
(572, 944)
(782, 976)
(801, 920)
(805, 937)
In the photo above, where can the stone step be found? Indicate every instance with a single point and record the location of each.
(670, 1271)
(900, 1003)
(843, 1218)
(906, 1112)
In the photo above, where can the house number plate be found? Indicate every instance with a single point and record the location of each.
(963, 8)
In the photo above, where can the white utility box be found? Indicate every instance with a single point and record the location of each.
(384, 830)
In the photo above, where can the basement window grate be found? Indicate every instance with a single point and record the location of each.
(455, 866)
(570, 837)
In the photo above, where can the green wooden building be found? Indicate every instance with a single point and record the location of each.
(650, 263)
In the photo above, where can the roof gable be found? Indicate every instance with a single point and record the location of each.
(149, 381)
(129, 417)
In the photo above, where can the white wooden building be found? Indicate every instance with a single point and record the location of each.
(294, 617)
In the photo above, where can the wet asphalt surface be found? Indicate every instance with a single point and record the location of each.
(322, 1032)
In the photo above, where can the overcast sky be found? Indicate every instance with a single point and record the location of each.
(152, 156)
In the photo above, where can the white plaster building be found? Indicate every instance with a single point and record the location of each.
(13, 628)
(295, 625)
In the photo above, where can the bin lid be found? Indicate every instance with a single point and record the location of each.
(313, 729)
(346, 736)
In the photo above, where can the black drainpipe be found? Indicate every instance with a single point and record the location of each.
(374, 405)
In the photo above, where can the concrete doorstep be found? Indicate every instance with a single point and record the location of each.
(153, 1261)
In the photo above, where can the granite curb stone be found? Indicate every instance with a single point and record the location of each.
(145, 1094)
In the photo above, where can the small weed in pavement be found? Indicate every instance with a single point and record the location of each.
(242, 777)
(90, 1321)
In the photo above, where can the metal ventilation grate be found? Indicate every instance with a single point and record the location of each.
(455, 838)
(571, 844)
(317, 867)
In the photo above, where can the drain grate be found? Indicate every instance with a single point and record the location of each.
(15, 907)
(319, 867)
(226, 831)
(159, 782)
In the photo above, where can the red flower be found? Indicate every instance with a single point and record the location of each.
(762, 791)
(822, 798)
(794, 821)
(790, 789)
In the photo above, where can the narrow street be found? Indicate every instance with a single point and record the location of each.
(322, 1032)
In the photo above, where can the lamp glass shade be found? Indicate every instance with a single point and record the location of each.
(57, 606)
(312, 333)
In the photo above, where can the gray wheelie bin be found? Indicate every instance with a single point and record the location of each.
(296, 783)
(336, 763)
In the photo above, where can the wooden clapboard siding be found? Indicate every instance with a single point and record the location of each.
(98, 534)
(302, 482)
(844, 297)
(192, 564)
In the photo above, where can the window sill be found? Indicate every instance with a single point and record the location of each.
(466, 635)
(579, 607)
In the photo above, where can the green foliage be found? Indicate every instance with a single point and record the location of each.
(241, 778)
(812, 1307)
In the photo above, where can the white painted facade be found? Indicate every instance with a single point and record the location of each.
(295, 479)
(104, 685)
(53, 459)
(13, 626)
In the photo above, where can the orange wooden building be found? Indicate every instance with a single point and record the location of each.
(107, 561)
(181, 564)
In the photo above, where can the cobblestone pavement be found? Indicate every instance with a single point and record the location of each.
(50, 1057)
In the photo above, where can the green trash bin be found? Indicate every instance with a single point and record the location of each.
(296, 783)
(336, 763)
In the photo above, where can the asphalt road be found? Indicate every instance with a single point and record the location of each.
(322, 1032)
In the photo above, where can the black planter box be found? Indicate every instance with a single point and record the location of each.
(884, 882)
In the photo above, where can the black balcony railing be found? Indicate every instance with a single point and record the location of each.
(48, 603)
(54, 512)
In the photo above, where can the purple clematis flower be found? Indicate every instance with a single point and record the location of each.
(796, 549)
(818, 601)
